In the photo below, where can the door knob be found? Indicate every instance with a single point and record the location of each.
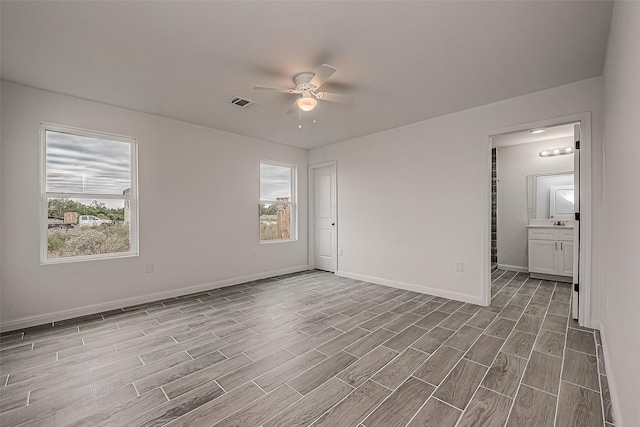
(333, 223)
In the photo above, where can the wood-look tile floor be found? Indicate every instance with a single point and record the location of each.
(313, 349)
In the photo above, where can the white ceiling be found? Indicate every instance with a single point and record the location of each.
(403, 61)
(525, 137)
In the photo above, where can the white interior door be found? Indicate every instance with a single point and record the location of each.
(324, 210)
(576, 231)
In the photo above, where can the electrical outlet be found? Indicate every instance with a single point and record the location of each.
(150, 268)
(459, 266)
(340, 251)
(340, 210)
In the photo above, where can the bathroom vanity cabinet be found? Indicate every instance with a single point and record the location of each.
(551, 253)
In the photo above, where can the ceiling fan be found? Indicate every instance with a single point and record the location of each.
(307, 85)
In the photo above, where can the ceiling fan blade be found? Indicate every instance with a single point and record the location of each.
(335, 97)
(322, 75)
(275, 89)
(294, 107)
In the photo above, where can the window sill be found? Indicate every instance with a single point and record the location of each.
(269, 242)
(67, 260)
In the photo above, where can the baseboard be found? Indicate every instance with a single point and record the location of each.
(412, 287)
(594, 323)
(27, 322)
(551, 277)
(513, 268)
(613, 388)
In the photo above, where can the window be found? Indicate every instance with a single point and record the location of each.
(277, 206)
(89, 195)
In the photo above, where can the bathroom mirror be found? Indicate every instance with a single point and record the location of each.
(541, 188)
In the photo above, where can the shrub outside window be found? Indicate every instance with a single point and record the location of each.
(89, 195)
(277, 206)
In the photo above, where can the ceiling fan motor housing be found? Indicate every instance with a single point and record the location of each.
(302, 82)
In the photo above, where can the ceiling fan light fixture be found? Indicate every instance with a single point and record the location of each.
(307, 104)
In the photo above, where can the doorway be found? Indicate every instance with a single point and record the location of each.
(323, 238)
(568, 246)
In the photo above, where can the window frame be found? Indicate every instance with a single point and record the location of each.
(293, 202)
(132, 197)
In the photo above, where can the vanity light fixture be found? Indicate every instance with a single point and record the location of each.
(534, 131)
(556, 152)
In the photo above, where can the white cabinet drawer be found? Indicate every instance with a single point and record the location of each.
(543, 234)
(551, 234)
(565, 234)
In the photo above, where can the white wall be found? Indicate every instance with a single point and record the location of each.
(1, 257)
(621, 286)
(415, 198)
(199, 191)
(514, 164)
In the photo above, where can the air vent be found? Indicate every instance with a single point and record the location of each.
(242, 102)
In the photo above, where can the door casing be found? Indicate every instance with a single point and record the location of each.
(311, 210)
(584, 312)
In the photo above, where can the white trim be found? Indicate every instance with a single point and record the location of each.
(554, 278)
(412, 287)
(485, 226)
(513, 268)
(613, 388)
(274, 241)
(27, 322)
(311, 212)
(96, 257)
(87, 196)
(293, 202)
(594, 324)
(274, 202)
(577, 207)
(585, 208)
(134, 248)
(585, 220)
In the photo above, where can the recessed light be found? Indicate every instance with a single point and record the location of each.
(538, 130)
